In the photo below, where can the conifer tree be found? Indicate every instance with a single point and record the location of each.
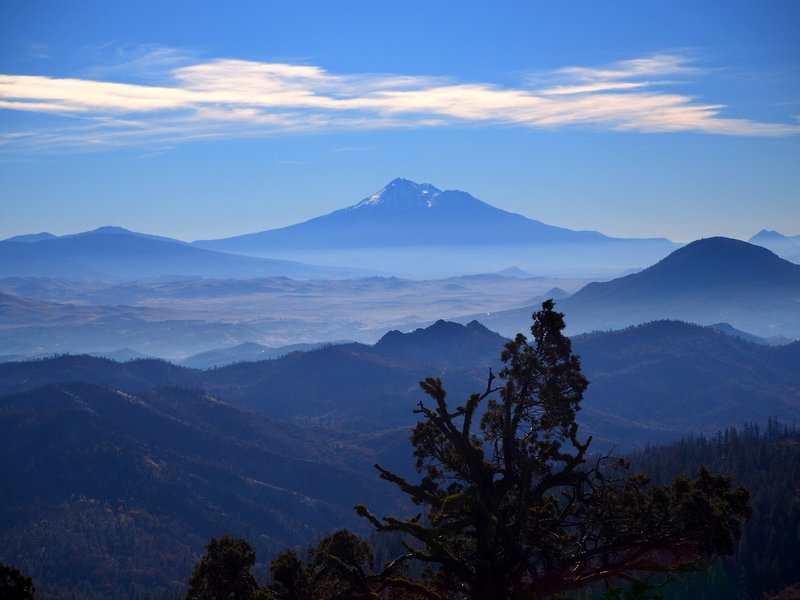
(224, 571)
(515, 507)
(14, 585)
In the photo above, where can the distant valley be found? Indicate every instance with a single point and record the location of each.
(179, 319)
(711, 281)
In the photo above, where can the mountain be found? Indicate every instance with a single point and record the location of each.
(418, 229)
(787, 247)
(402, 214)
(115, 493)
(443, 344)
(708, 281)
(245, 352)
(121, 355)
(116, 254)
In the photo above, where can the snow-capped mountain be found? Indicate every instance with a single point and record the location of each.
(405, 213)
(401, 194)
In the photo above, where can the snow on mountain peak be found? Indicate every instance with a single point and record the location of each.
(402, 193)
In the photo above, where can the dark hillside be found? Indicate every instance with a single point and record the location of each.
(658, 381)
(443, 344)
(115, 492)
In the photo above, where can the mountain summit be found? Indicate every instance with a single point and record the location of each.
(401, 194)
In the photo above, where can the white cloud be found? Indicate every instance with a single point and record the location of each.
(236, 98)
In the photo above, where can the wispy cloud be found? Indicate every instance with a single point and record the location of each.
(234, 98)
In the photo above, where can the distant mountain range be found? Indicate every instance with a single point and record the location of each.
(711, 281)
(708, 281)
(785, 246)
(245, 352)
(116, 254)
(409, 228)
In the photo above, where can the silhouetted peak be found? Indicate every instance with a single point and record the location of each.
(769, 235)
(106, 229)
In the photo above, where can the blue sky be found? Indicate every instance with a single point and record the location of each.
(202, 120)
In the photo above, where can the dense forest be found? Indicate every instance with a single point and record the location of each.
(767, 462)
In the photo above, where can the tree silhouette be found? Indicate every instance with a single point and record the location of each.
(224, 571)
(518, 509)
(14, 585)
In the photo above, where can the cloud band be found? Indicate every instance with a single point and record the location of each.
(233, 98)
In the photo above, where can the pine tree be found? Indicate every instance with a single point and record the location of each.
(516, 508)
(224, 571)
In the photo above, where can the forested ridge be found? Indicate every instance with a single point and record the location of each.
(766, 460)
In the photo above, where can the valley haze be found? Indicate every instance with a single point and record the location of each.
(121, 293)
